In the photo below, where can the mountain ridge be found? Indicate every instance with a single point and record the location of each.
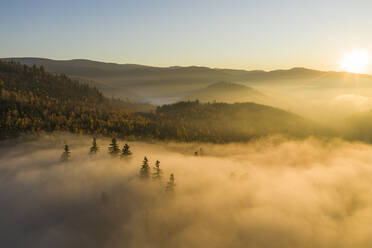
(141, 83)
(133, 65)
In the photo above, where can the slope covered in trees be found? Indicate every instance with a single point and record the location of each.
(221, 122)
(33, 100)
(226, 92)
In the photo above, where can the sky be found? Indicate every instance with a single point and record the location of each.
(250, 34)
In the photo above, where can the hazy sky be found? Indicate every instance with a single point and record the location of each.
(262, 34)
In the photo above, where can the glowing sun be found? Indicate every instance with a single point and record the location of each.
(356, 61)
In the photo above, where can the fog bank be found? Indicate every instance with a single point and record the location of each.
(271, 193)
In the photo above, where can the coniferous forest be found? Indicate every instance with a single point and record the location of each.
(33, 100)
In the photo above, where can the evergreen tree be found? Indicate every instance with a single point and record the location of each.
(171, 184)
(94, 147)
(125, 151)
(66, 154)
(157, 171)
(145, 169)
(114, 148)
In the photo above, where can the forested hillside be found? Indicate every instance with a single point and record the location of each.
(223, 122)
(33, 100)
(226, 92)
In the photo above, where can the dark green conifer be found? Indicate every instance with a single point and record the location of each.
(114, 148)
(145, 169)
(66, 154)
(157, 172)
(125, 151)
(94, 147)
(171, 184)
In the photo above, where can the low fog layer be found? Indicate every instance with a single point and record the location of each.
(271, 193)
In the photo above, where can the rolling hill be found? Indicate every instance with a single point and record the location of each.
(146, 82)
(130, 81)
(226, 92)
(233, 122)
(33, 100)
(317, 95)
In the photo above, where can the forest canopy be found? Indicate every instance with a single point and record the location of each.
(33, 100)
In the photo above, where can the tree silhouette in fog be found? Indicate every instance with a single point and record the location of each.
(94, 147)
(66, 154)
(171, 184)
(145, 169)
(126, 151)
(114, 148)
(157, 172)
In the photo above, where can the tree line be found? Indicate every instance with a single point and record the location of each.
(145, 171)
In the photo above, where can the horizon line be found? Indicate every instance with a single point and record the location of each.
(188, 66)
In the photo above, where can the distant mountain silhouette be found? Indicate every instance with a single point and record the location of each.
(142, 82)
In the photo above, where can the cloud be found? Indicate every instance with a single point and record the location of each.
(350, 103)
(271, 193)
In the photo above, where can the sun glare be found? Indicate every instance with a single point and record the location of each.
(356, 61)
